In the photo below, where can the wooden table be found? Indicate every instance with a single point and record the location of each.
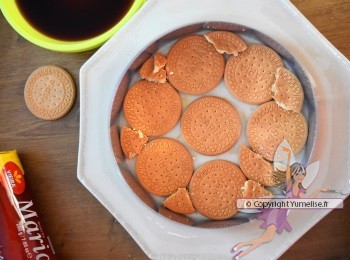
(79, 226)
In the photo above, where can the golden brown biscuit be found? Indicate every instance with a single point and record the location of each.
(182, 219)
(153, 108)
(194, 66)
(147, 71)
(226, 42)
(250, 75)
(120, 95)
(287, 90)
(252, 190)
(117, 150)
(164, 166)
(211, 125)
(136, 187)
(132, 141)
(270, 124)
(215, 187)
(159, 62)
(49, 92)
(255, 167)
(179, 202)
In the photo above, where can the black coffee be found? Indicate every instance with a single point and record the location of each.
(73, 20)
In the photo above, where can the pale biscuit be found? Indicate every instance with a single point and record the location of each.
(49, 92)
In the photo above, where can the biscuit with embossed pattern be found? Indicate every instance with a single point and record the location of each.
(194, 66)
(153, 108)
(287, 90)
(270, 124)
(211, 125)
(226, 42)
(164, 166)
(250, 75)
(215, 187)
(255, 167)
(179, 202)
(132, 141)
(49, 92)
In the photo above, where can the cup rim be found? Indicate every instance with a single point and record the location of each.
(23, 27)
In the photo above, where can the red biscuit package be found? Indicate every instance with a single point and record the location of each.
(22, 234)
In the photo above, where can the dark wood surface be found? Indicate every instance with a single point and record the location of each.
(79, 226)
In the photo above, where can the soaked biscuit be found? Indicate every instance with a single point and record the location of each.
(211, 125)
(194, 66)
(270, 124)
(215, 187)
(153, 108)
(164, 166)
(250, 75)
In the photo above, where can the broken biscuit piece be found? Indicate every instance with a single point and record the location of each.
(159, 62)
(253, 189)
(153, 69)
(255, 167)
(179, 202)
(132, 141)
(287, 90)
(226, 42)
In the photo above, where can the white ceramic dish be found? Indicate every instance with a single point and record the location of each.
(326, 69)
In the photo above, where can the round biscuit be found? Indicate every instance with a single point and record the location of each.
(215, 187)
(194, 66)
(211, 125)
(49, 92)
(163, 166)
(137, 189)
(153, 108)
(250, 75)
(270, 124)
